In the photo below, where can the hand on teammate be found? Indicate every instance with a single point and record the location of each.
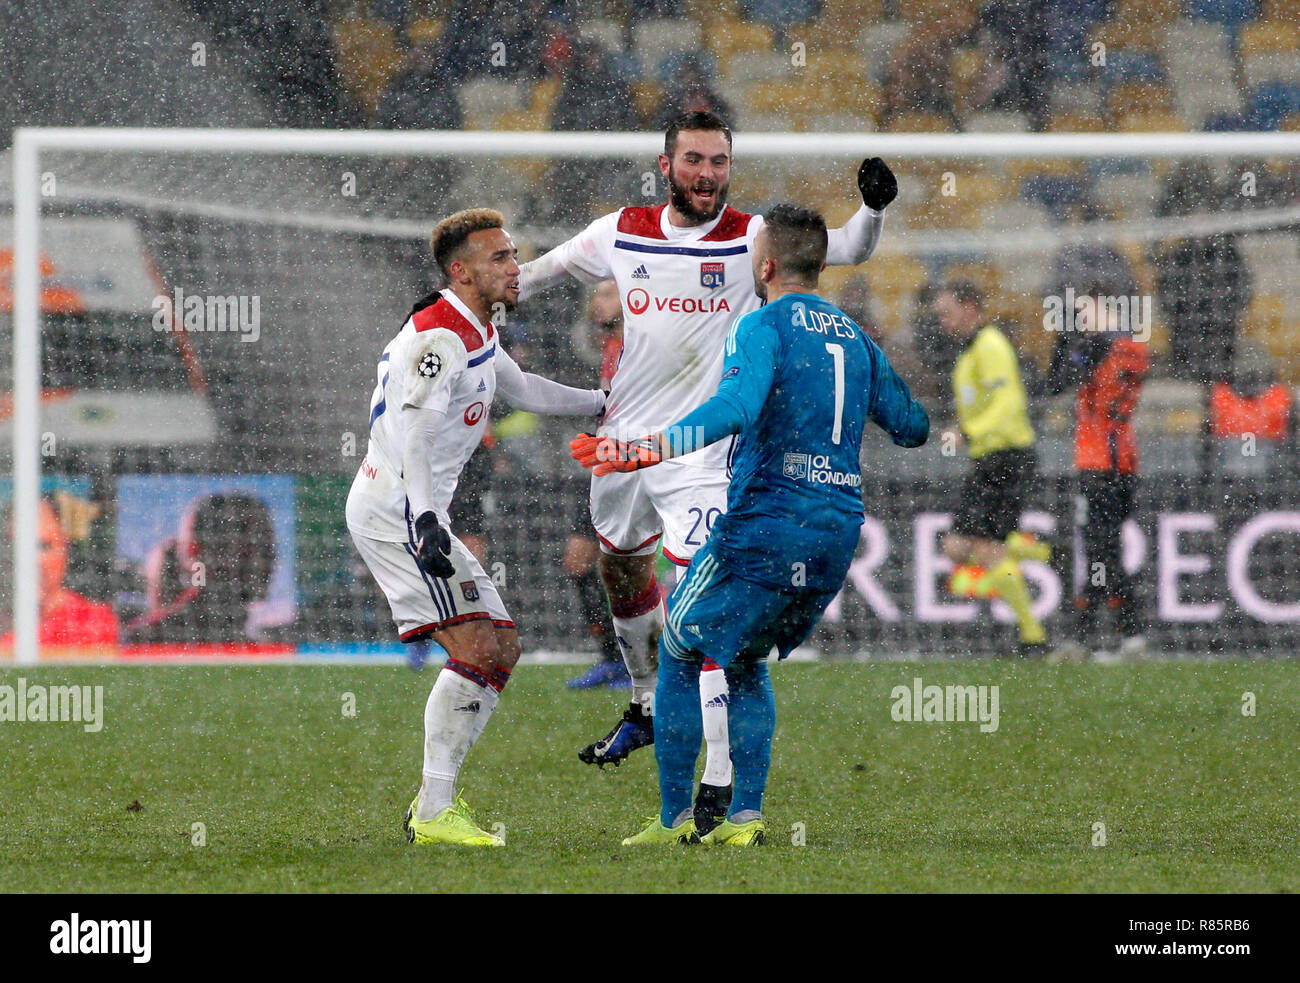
(604, 455)
(877, 183)
(434, 550)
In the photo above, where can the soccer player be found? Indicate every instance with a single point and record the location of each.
(437, 378)
(1108, 365)
(799, 382)
(993, 413)
(683, 273)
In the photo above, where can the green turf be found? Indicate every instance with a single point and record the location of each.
(295, 796)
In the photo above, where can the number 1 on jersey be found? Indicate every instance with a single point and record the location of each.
(837, 354)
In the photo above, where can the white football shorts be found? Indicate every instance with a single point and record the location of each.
(680, 502)
(422, 603)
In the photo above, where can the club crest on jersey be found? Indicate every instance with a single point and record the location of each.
(713, 275)
(430, 365)
(469, 589)
(796, 466)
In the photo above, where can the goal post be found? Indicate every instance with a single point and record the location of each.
(31, 144)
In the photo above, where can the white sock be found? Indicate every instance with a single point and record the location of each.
(717, 761)
(639, 642)
(489, 703)
(454, 716)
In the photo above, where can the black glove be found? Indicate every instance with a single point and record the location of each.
(434, 550)
(877, 183)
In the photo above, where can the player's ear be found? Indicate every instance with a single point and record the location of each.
(664, 162)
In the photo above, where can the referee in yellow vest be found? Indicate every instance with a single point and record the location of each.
(993, 414)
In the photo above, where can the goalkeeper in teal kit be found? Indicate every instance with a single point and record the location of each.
(799, 382)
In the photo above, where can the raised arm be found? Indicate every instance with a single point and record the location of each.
(585, 257)
(856, 239)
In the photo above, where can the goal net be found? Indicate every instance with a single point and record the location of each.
(192, 321)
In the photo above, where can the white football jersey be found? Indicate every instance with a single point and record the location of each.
(443, 359)
(681, 290)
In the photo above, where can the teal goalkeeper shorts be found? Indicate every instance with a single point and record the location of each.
(716, 614)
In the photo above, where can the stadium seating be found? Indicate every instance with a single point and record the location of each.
(368, 56)
(653, 40)
(1168, 65)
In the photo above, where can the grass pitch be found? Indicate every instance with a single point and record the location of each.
(294, 795)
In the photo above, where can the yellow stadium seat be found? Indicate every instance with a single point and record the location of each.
(836, 71)
(1076, 123)
(967, 65)
(1119, 35)
(523, 119)
(545, 93)
(425, 29)
(646, 97)
(804, 100)
(707, 11)
(1019, 170)
(1157, 121)
(531, 169)
(918, 122)
(840, 210)
(1265, 317)
(938, 12)
(848, 17)
(1137, 97)
(939, 212)
(1267, 322)
(1265, 36)
(895, 275)
(821, 38)
(727, 38)
(367, 57)
(1147, 11)
(834, 278)
(1281, 10)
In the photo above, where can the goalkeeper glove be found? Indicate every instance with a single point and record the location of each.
(434, 552)
(877, 183)
(605, 454)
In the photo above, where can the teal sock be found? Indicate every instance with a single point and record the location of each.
(751, 718)
(679, 729)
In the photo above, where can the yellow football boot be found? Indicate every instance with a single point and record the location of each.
(453, 825)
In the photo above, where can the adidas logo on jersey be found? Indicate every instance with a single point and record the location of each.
(470, 707)
(482, 386)
(641, 273)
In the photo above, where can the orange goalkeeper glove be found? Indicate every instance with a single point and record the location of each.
(604, 455)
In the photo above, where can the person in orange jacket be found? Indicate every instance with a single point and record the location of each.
(1108, 365)
(1250, 422)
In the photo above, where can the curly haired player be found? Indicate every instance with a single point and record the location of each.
(437, 379)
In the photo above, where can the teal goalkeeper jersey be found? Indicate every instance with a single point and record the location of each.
(799, 381)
